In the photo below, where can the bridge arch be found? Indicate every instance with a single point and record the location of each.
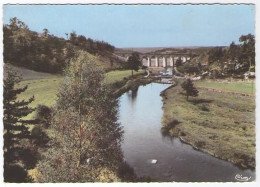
(145, 61)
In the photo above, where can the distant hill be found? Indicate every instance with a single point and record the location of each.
(141, 50)
(161, 49)
(201, 52)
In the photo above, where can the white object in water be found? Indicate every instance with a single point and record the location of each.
(153, 161)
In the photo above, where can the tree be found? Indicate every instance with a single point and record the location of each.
(73, 38)
(87, 134)
(178, 62)
(45, 32)
(45, 52)
(233, 51)
(43, 115)
(188, 68)
(189, 89)
(134, 62)
(234, 55)
(15, 24)
(15, 127)
(248, 49)
(215, 54)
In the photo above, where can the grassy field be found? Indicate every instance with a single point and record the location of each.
(45, 90)
(115, 76)
(221, 124)
(239, 86)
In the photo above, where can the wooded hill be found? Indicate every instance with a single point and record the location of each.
(48, 53)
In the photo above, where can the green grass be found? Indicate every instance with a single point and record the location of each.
(27, 74)
(239, 86)
(221, 124)
(115, 76)
(45, 90)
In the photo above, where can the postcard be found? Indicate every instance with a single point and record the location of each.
(129, 92)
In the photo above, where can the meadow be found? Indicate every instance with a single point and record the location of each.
(45, 89)
(221, 124)
(234, 86)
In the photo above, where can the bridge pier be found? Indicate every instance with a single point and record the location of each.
(148, 61)
(183, 59)
(156, 62)
(164, 62)
(171, 61)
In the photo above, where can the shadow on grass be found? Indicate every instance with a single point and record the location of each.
(199, 101)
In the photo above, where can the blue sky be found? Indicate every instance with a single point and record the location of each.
(141, 25)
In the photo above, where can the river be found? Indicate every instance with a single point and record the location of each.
(140, 114)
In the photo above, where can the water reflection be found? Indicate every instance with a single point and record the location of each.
(132, 95)
(140, 114)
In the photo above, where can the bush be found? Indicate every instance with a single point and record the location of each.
(44, 115)
(29, 157)
(126, 173)
(188, 68)
(169, 127)
(165, 131)
(200, 144)
(204, 108)
(15, 174)
(215, 74)
(39, 136)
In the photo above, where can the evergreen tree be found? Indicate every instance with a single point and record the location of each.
(189, 88)
(15, 127)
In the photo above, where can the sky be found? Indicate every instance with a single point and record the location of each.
(141, 25)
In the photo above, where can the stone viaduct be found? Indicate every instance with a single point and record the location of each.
(160, 59)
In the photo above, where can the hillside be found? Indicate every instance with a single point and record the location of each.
(44, 52)
(27, 74)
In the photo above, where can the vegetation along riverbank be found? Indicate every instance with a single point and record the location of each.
(219, 123)
(45, 93)
(45, 89)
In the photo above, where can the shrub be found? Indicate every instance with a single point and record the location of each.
(188, 68)
(126, 173)
(15, 174)
(44, 115)
(200, 144)
(39, 136)
(29, 157)
(204, 108)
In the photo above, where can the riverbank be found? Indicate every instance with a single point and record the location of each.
(219, 123)
(45, 90)
(132, 83)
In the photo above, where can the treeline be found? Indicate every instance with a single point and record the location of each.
(45, 52)
(237, 58)
(90, 45)
(221, 62)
